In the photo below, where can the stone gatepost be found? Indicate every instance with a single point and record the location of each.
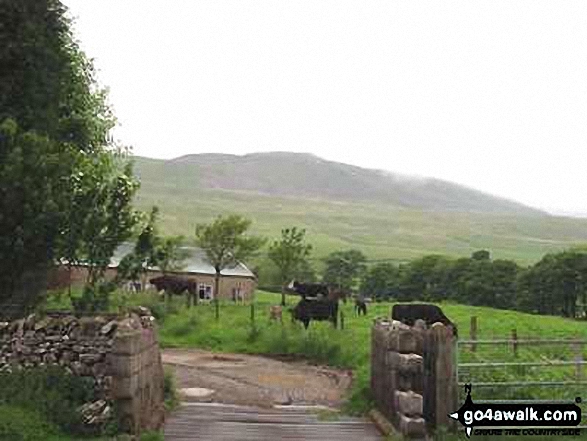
(412, 375)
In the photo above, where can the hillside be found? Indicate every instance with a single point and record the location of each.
(307, 176)
(344, 206)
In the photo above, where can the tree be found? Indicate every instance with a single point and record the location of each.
(225, 243)
(31, 204)
(47, 84)
(110, 187)
(289, 254)
(134, 265)
(54, 149)
(425, 279)
(381, 281)
(152, 250)
(170, 255)
(343, 268)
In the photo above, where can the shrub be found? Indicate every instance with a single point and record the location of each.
(19, 424)
(46, 389)
(170, 389)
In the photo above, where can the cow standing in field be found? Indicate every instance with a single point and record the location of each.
(409, 313)
(174, 285)
(360, 306)
(307, 310)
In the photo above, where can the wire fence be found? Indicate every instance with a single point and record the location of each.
(569, 353)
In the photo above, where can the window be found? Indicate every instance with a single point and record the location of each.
(205, 291)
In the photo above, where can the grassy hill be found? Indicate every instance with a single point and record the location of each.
(342, 206)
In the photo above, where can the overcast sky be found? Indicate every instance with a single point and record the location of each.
(490, 94)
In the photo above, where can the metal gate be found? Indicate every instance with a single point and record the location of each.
(463, 347)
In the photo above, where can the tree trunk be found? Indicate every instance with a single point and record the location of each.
(217, 291)
(282, 295)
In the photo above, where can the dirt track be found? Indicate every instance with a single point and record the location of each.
(255, 380)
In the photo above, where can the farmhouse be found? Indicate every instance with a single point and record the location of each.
(237, 283)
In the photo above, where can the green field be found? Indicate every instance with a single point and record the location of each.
(350, 347)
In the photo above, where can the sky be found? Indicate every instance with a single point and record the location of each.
(489, 94)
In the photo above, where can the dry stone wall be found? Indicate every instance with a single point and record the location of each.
(412, 375)
(120, 353)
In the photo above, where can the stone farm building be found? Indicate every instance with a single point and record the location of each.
(236, 283)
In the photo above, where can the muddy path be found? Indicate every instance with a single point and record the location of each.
(205, 376)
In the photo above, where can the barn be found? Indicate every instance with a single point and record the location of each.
(237, 283)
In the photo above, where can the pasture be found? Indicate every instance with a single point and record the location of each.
(350, 347)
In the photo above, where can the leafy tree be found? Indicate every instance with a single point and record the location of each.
(134, 265)
(225, 243)
(289, 254)
(110, 187)
(425, 279)
(31, 205)
(504, 281)
(47, 84)
(170, 255)
(382, 281)
(555, 283)
(343, 268)
(54, 152)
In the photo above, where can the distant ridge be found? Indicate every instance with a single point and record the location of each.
(304, 175)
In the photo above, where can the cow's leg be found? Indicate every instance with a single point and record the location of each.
(306, 323)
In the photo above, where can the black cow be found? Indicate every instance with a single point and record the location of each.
(360, 306)
(431, 314)
(174, 284)
(307, 310)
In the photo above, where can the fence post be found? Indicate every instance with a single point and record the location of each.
(578, 359)
(473, 332)
(515, 342)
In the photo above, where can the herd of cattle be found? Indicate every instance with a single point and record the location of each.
(319, 302)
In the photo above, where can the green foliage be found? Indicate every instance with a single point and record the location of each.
(46, 389)
(171, 395)
(32, 168)
(105, 217)
(224, 241)
(152, 436)
(47, 83)
(382, 281)
(170, 255)
(20, 424)
(343, 268)
(289, 255)
(94, 298)
(64, 192)
(143, 256)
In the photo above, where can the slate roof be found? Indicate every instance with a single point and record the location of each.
(195, 263)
